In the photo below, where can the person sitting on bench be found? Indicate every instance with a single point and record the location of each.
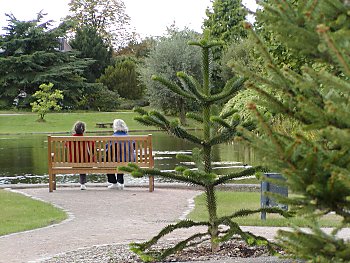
(119, 129)
(73, 148)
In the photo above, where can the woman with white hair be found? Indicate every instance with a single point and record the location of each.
(119, 129)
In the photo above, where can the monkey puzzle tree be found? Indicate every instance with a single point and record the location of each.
(202, 157)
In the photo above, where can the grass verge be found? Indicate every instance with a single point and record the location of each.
(229, 202)
(20, 213)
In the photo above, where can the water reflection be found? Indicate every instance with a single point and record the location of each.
(23, 158)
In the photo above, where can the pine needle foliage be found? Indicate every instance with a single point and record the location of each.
(202, 157)
(29, 56)
(317, 168)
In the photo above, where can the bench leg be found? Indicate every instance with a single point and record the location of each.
(50, 182)
(151, 183)
(54, 181)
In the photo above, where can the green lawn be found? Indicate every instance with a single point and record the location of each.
(62, 122)
(228, 202)
(20, 213)
(245, 181)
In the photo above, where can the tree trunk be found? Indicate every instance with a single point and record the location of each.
(182, 113)
(212, 210)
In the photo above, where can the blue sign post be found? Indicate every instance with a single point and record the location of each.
(265, 186)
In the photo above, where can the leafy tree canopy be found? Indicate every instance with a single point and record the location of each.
(45, 100)
(107, 17)
(138, 49)
(123, 78)
(30, 56)
(170, 55)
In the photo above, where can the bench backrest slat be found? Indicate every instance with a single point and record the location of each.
(99, 151)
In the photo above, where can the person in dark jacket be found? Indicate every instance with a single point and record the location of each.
(119, 129)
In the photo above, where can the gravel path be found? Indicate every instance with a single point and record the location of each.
(97, 216)
(102, 222)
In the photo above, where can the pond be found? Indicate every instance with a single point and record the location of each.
(23, 158)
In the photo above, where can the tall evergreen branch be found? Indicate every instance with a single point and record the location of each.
(220, 121)
(271, 134)
(231, 87)
(337, 54)
(192, 85)
(183, 134)
(271, 64)
(173, 87)
(229, 113)
(139, 172)
(194, 116)
(159, 117)
(272, 99)
(340, 84)
(224, 137)
(246, 172)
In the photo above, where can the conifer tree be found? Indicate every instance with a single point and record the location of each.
(29, 56)
(225, 21)
(204, 177)
(91, 45)
(315, 158)
(123, 78)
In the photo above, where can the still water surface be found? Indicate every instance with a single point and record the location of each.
(23, 158)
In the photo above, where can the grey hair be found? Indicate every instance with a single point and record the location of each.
(79, 127)
(120, 125)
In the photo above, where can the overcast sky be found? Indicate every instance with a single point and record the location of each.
(148, 17)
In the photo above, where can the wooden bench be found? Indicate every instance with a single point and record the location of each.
(90, 155)
(104, 124)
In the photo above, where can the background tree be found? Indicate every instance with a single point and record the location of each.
(138, 49)
(317, 97)
(100, 98)
(170, 55)
(91, 45)
(277, 48)
(46, 100)
(30, 57)
(122, 78)
(242, 53)
(201, 92)
(107, 17)
(224, 23)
